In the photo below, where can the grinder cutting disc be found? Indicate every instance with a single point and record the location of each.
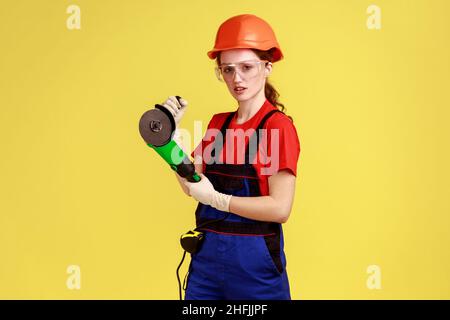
(156, 126)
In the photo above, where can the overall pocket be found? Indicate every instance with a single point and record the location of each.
(272, 252)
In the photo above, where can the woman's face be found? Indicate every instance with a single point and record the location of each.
(252, 84)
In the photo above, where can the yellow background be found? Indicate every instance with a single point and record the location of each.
(80, 187)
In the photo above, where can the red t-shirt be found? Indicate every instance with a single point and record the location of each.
(284, 142)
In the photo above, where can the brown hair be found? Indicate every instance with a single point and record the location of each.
(270, 92)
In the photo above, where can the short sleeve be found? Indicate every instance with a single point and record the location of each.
(198, 149)
(283, 146)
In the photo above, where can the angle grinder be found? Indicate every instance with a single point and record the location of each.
(157, 127)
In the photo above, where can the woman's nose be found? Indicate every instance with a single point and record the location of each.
(236, 76)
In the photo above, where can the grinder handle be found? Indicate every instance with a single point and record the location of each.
(194, 178)
(179, 99)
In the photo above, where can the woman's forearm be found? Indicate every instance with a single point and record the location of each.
(264, 208)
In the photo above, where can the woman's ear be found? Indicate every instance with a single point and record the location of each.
(268, 69)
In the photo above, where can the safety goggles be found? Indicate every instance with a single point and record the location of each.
(246, 69)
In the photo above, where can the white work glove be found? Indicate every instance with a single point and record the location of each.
(176, 108)
(203, 191)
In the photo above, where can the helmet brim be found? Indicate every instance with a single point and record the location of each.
(277, 54)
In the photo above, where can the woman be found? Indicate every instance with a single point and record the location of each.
(242, 257)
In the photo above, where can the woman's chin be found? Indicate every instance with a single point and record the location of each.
(241, 97)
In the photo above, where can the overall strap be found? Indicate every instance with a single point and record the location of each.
(251, 154)
(248, 155)
(223, 132)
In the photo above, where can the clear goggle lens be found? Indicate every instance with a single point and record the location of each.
(246, 69)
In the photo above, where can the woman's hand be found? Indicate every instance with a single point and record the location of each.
(204, 192)
(177, 109)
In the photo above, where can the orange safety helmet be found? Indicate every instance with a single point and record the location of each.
(246, 31)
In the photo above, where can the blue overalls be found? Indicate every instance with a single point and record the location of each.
(240, 258)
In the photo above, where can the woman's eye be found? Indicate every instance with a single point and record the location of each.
(248, 67)
(227, 69)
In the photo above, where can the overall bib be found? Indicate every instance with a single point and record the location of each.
(240, 258)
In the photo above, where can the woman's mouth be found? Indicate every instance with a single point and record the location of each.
(239, 90)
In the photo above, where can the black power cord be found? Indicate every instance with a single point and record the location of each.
(184, 253)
